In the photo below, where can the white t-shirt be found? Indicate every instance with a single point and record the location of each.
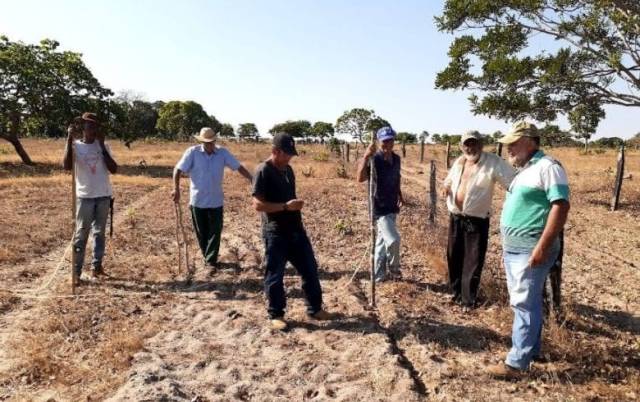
(92, 176)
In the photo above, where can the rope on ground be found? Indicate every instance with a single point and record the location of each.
(47, 282)
(358, 264)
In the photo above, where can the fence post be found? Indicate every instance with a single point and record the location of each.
(346, 151)
(618, 184)
(404, 149)
(432, 193)
(499, 149)
(446, 161)
(422, 150)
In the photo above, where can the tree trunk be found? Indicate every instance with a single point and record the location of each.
(586, 144)
(15, 141)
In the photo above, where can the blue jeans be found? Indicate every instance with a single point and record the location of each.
(525, 285)
(387, 246)
(91, 213)
(295, 248)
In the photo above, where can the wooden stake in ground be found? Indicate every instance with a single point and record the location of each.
(619, 176)
(422, 150)
(446, 158)
(432, 193)
(346, 151)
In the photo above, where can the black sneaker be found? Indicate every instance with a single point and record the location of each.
(98, 271)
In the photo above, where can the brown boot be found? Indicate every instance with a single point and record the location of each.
(321, 315)
(503, 371)
(278, 324)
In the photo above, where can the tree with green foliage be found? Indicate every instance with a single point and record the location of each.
(436, 138)
(138, 118)
(226, 130)
(552, 136)
(634, 141)
(424, 136)
(609, 142)
(596, 61)
(248, 131)
(180, 120)
(376, 123)
(322, 130)
(296, 129)
(406, 138)
(42, 89)
(355, 122)
(497, 135)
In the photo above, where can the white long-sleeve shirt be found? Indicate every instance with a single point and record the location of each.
(477, 201)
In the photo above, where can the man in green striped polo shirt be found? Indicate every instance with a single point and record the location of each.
(534, 212)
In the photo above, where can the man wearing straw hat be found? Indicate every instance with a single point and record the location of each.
(205, 165)
(94, 162)
(534, 213)
(468, 188)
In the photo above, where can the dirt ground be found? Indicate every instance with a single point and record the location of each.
(145, 334)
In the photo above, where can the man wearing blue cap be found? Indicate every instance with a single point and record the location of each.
(387, 199)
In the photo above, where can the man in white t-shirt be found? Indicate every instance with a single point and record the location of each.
(94, 163)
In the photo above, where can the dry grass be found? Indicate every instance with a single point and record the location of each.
(83, 347)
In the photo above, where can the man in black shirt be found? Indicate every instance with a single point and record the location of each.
(274, 194)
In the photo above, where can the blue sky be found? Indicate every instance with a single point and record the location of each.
(269, 61)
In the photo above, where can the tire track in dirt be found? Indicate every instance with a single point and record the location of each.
(32, 295)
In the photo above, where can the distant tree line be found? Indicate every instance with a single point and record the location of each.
(43, 88)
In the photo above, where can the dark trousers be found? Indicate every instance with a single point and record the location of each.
(468, 237)
(295, 248)
(207, 223)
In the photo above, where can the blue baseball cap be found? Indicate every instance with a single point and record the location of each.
(386, 133)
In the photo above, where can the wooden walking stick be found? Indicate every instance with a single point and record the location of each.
(176, 206)
(74, 203)
(372, 222)
(74, 274)
(190, 267)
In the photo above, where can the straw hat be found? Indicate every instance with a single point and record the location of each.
(206, 135)
(519, 130)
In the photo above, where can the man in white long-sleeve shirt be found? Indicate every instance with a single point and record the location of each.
(469, 191)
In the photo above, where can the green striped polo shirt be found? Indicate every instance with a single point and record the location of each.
(528, 202)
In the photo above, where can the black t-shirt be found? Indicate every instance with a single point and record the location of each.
(387, 185)
(274, 185)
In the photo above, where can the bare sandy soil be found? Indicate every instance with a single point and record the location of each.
(145, 334)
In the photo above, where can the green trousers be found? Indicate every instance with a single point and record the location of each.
(207, 223)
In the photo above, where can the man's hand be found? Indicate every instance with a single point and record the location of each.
(71, 132)
(294, 205)
(445, 191)
(371, 149)
(538, 256)
(175, 194)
